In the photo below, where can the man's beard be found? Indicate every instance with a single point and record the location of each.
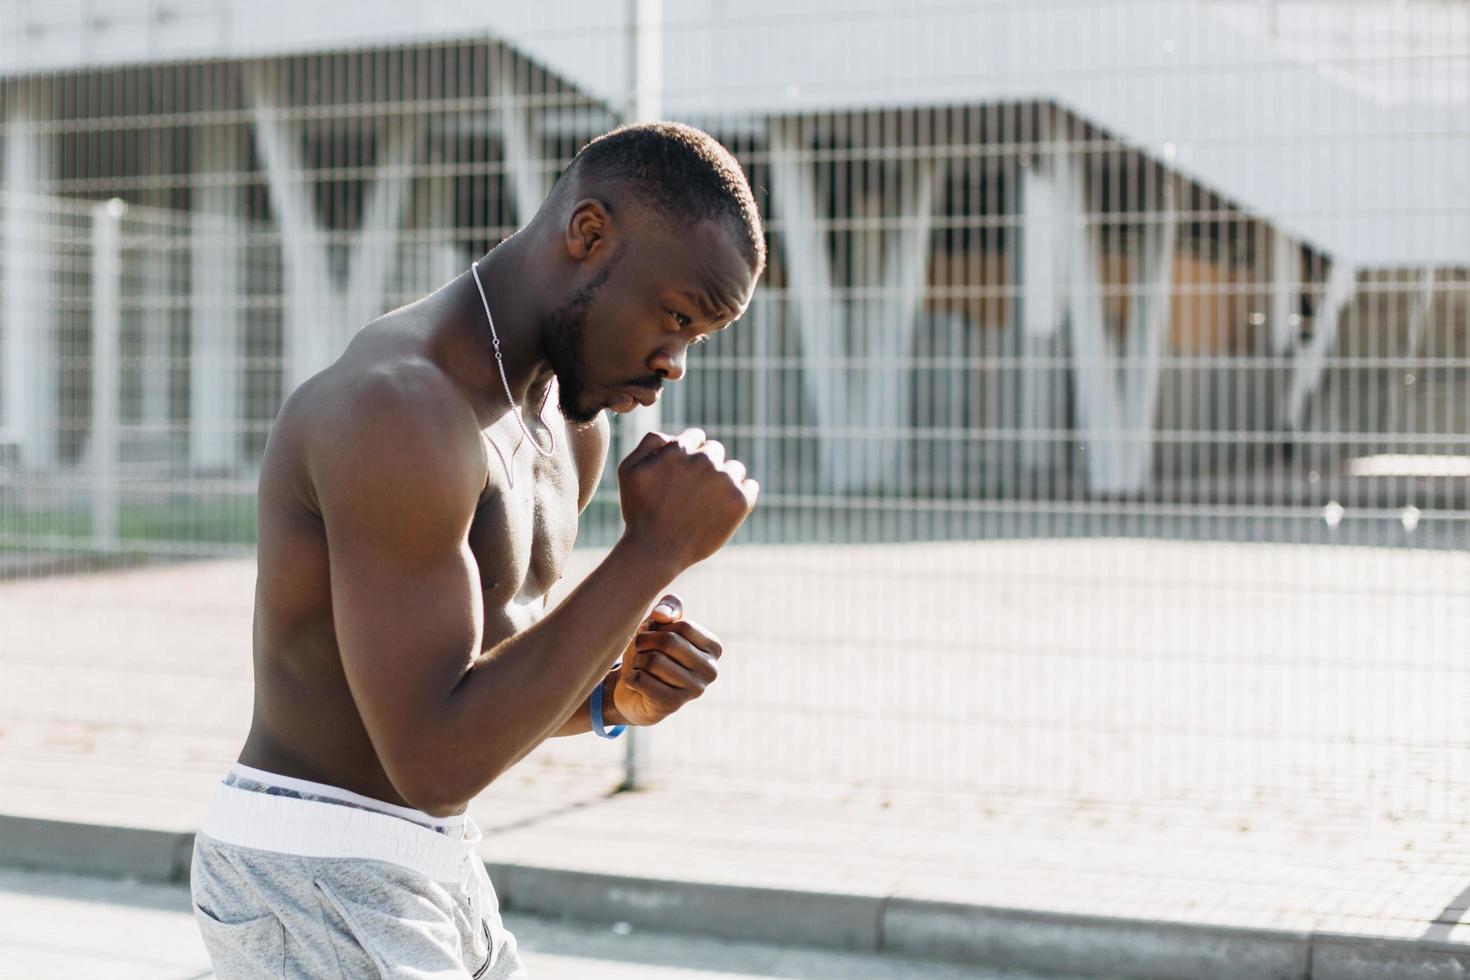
(563, 334)
(563, 338)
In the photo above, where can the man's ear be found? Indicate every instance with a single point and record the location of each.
(589, 230)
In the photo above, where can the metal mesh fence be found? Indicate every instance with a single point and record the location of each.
(1107, 383)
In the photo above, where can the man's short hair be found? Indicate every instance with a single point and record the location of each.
(682, 172)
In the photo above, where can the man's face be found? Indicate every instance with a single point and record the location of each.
(615, 340)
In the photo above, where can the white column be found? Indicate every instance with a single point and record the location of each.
(1042, 281)
(1061, 282)
(1115, 410)
(885, 403)
(1150, 323)
(377, 239)
(825, 326)
(1094, 382)
(1311, 360)
(1419, 322)
(308, 313)
(439, 259)
(821, 323)
(152, 281)
(216, 291)
(1286, 290)
(1040, 244)
(106, 368)
(759, 319)
(321, 317)
(529, 180)
(27, 318)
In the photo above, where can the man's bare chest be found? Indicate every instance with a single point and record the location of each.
(523, 532)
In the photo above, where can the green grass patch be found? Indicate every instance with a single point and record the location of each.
(223, 521)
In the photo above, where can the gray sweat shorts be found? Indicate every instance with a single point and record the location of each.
(342, 893)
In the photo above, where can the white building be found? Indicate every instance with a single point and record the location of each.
(1018, 250)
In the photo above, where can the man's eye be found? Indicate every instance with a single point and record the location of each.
(682, 320)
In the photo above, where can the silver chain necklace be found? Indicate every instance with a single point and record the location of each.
(500, 363)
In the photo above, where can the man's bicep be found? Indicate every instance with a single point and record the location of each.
(406, 602)
(406, 631)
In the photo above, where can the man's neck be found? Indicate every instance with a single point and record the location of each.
(511, 296)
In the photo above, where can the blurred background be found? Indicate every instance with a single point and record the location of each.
(1109, 388)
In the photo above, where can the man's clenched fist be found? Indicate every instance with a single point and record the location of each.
(669, 663)
(682, 497)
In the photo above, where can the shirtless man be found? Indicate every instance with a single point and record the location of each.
(417, 501)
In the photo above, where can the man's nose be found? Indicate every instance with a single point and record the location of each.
(669, 364)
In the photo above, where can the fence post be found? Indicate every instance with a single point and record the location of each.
(645, 80)
(106, 322)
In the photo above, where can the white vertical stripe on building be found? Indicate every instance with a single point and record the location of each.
(27, 319)
(217, 286)
(105, 482)
(1311, 360)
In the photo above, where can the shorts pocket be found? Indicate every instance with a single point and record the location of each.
(399, 932)
(248, 948)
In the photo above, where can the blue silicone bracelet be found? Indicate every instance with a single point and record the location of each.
(595, 704)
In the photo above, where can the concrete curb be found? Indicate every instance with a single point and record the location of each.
(848, 922)
(1097, 946)
(58, 845)
(1080, 945)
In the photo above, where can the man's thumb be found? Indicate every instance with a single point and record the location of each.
(651, 443)
(670, 609)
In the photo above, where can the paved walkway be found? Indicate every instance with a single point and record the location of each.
(54, 926)
(125, 695)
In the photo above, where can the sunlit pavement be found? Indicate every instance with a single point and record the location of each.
(64, 926)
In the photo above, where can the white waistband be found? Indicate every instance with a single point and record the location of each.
(309, 828)
(345, 795)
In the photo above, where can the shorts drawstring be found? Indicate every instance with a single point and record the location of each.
(474, 882)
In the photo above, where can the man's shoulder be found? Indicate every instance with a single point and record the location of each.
(389, 423)
(376, 399)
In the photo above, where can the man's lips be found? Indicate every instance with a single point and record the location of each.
(628, 398)
(643, 396)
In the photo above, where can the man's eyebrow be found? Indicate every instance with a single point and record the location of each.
(707, 309)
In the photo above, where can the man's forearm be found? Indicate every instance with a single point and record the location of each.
(536, 683)
(580, 721)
